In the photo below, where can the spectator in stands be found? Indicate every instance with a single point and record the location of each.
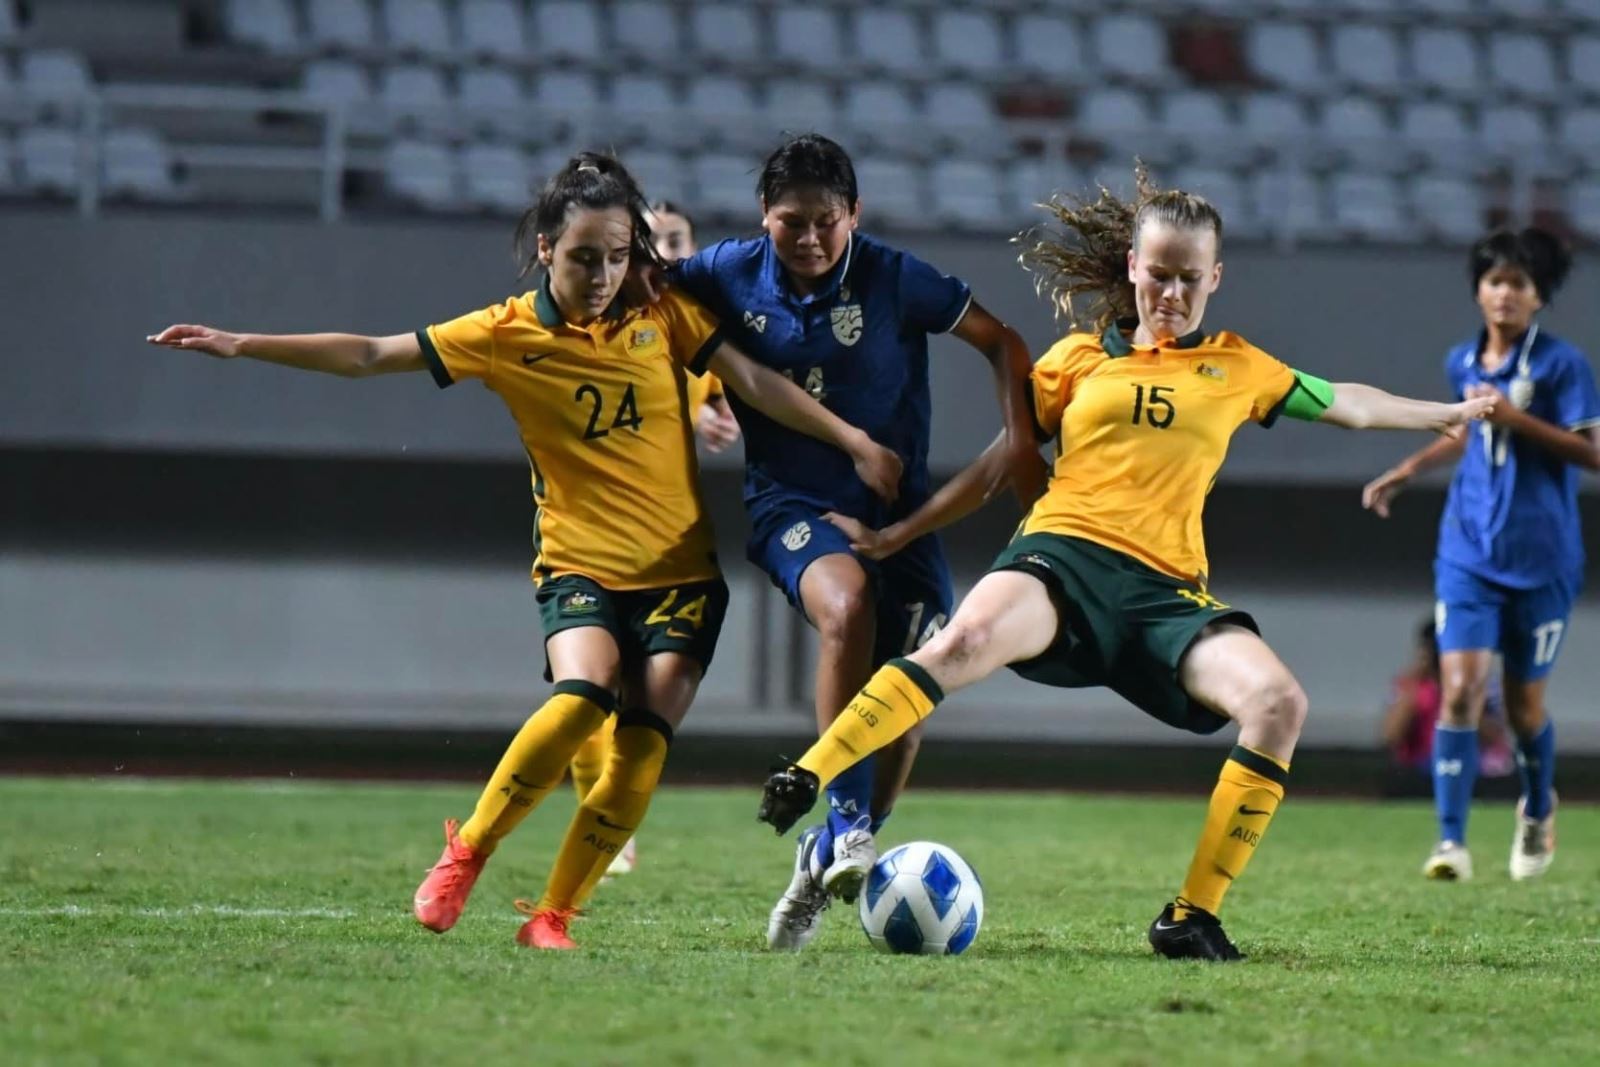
(629, 589)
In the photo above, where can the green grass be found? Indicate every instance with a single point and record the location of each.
(105, 958)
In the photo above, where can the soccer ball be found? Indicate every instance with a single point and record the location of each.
(922, 898)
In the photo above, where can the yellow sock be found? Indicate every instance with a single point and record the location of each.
(590, 761)
(536, 759)
(894, 700)
(1249, 790)
(612, 811)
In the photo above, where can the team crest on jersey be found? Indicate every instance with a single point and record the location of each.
(1521, 393)
(580, 603)
(644, 335)
(847, 323)
(1210, 370)
(758, 323)
(797, 536)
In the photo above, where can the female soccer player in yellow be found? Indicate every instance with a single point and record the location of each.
(628, 584)
(1105, 582)
(672, 234)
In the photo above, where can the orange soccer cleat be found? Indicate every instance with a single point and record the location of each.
(547, 927)
(442, 896)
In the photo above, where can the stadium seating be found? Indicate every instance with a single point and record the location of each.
(1389, 102)
(137, 164)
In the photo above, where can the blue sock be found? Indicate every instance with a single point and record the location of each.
(879, 820)
(1455, 769)
(850, 797)
(1536, 759)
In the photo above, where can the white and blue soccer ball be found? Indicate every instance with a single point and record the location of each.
(922, 899)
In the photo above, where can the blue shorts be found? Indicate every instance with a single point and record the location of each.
(1524, 625)
(912, 586)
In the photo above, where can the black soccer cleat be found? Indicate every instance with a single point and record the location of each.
(790, 792)
(1197, 936)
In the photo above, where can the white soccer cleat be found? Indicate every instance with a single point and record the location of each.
(797, 917)
(1449, 862)
(1533, 845)
(626, 860)
(854, 853)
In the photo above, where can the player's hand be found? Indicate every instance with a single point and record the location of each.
(198, 339)
(1027, 472)
(645, 283)
(715, 425)
(1376, 494)
(863, 538)
(1484, 401)
(878, 467)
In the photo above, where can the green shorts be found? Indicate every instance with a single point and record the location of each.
(1124, 625)
(679, 618)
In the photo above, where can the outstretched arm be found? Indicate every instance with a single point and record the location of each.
(969, 490)
(1376, 494)
(1365, 407)
(785, 402)
(1010, 361)
(345, 354)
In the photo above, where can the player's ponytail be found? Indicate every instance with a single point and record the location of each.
(1088, 256)
(1538, 253)
(590, 180)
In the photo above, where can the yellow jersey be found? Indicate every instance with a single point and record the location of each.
(701, 388)
(1141, 432)
(602, 411)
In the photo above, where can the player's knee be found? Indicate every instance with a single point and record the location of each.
(1278, 705)
(840, 613)
(1463, 699)
(963, 641)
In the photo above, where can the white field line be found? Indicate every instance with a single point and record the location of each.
(229, 911)
(193, 911)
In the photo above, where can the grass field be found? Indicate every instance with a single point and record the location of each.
(148, 922)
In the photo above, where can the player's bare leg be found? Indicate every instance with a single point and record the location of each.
(1464, 680)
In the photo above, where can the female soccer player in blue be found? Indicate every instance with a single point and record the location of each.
(1510, 556)
(848, 318)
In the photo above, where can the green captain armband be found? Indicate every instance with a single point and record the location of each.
(1308, 399)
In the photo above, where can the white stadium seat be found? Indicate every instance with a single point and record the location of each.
(54, 74)
(341, 24)
(566, 29)
(887, 39)
(810, 38)
(1514, 131)
(645, 29)
(496, 177)
(493, 28)
(1048, 46)
(1199, 119)
(1225, 192)
(1273, 120)
(1583, 65)
(891, 193)
(1131, 46)
(1291, 201)
(487, 91)
(419, 26)
(726, 32)
(1523, 65)
(336, 81)
(1438, 132)
(968, 42)
(136, 162)
(1446, 60)
(1286, 54)
(967, 194)
(1448, 206)
(1579, 134)
(1369, 205)
(422, 173)
(1367, 56)
(798, 104)
(659, 174)
(413, 89)
(48, 159)
(723, 185)
(1361, 130)
(1583, 207)
(266, 24)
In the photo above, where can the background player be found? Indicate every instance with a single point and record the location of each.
(848, 318)
(1106, 582)
(1510, 554)
(672, 234)
(628, 584)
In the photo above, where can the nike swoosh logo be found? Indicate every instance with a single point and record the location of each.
(530, 358)
(525, 785)
(609, 825)
(874, 699)
(678, 633)
(1252, 811)
(1167, 926)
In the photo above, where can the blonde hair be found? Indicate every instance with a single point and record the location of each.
(1087, 257)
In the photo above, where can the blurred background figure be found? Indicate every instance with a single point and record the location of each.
(1413, 711)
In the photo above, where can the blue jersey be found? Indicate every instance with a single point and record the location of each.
(859, 344)
(1512, 513)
